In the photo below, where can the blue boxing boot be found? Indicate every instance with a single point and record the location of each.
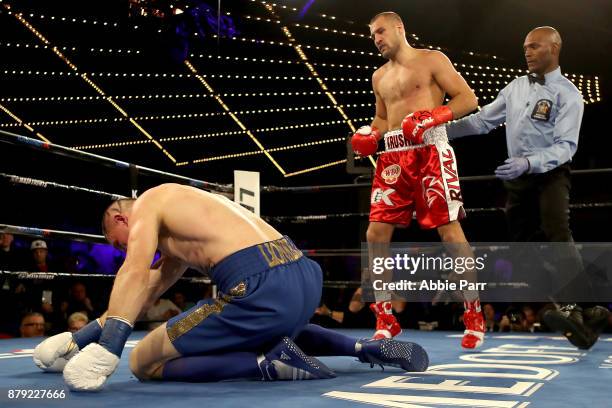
(393, 353)
(287, 362)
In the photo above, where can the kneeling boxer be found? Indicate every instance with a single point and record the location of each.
(257, 327)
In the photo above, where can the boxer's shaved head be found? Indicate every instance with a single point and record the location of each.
(115, 222)
(388, 33)
(388, 15)
(542, 47)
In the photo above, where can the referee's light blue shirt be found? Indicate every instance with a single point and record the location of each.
(542, 121)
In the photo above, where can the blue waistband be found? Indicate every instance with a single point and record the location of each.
(253, 260)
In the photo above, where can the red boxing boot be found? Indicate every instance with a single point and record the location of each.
(473, 336)
(386, 324)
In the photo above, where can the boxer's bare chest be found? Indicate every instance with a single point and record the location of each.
(405, 82)
(407, 88)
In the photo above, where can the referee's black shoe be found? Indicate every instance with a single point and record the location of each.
(569, 320)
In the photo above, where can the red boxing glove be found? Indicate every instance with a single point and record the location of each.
(415, 124)
(365, 141)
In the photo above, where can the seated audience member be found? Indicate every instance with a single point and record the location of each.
(32, 325)
(76, 321)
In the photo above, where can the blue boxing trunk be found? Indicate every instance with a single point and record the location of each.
(266, 292)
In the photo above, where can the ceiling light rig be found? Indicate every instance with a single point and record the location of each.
(321, 81)
(203, 81)
(93, 85)
(296, 126)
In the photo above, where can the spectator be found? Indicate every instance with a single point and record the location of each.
(78, 301)
(76, 321)
(8, 257)
(530, 322)
(162, 310)
(519, 320)
(40, 253)
(32, 325)
(179, 300)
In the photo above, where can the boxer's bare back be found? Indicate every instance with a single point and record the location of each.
(194, 226)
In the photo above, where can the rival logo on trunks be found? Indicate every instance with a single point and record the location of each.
(279, 252)
(391, 173)
(379, 195)
(432, 188)
(450, 175)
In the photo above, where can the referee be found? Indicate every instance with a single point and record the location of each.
(543, 112)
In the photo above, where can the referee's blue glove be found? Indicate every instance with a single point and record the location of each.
(512, 168)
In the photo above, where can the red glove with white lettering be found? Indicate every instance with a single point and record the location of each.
(415, 124)
(365, 141)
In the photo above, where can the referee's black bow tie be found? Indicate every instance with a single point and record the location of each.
(533, 79)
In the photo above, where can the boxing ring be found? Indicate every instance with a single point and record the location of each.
(512, 370)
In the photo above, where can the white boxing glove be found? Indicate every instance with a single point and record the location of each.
(89, 369)
(53, 353)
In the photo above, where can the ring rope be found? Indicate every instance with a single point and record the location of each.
(49, 233)
(15, 139)
(303, 219)
(190, 279)
(44, 184)
(305, 189)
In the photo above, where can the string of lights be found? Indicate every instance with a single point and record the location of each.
(69, 122)
(280, 61)
(22, 123)
(226, 108)
(47, 74)
(217, 134)
(174, 96)
(315, 168)
(274, 149)
(298, 49)
(182, 115)
(97, 50)
(307, 46)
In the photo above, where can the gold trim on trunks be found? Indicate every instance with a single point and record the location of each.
(279, 252)
(196, 317)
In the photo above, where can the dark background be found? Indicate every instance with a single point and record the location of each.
(458, 27)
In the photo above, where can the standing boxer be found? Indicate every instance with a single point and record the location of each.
(417, 170)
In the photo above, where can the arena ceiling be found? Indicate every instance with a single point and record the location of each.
(273, 87)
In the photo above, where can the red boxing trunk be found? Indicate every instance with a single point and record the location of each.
(421, 178)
